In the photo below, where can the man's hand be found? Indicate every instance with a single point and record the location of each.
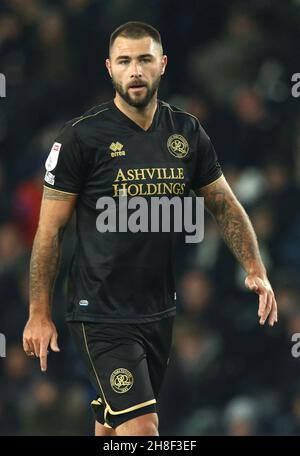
(56, 210)
(38, 334)
(267, 302)
(238, 233)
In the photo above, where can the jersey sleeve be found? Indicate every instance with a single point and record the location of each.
(207, 168)
(65, 165)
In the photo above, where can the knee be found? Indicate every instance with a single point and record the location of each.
(103, 431)
(149, 425)
(142, 425)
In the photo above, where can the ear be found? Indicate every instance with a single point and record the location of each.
(164, 61)
(108, 66)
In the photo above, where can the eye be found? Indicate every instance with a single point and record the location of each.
(123, 62)
(145, 60)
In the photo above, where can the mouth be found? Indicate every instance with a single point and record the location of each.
(137, 87)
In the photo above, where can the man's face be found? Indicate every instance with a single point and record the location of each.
(136, 66)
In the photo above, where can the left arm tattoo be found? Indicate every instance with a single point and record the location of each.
(234, 224)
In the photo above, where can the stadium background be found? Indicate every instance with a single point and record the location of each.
(230, 64)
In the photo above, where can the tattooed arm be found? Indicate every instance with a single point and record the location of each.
(56, 210)
(238, 233)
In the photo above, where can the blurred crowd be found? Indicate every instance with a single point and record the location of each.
(230, 64)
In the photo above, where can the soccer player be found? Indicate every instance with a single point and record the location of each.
(121, 292)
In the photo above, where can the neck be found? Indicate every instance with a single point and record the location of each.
(141, 116)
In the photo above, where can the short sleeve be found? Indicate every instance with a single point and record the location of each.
(65, 164)
(207, 168)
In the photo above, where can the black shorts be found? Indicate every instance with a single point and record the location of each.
(126, 365)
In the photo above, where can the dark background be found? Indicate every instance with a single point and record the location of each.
(230, 64)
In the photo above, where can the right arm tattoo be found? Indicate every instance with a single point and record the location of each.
(43, 270)
(52, 194)
(44, 261)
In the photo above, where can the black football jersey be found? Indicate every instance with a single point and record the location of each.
(126, 276)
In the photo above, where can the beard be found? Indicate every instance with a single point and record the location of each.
(138, 102)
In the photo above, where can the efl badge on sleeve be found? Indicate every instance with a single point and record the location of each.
(52, 159)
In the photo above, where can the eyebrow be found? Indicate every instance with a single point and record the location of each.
(128, 57)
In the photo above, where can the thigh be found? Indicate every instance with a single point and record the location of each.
(158, 342)
(117, 365)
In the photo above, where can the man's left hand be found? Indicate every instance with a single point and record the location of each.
(267, 302)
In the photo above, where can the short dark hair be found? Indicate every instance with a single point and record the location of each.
(135, 30)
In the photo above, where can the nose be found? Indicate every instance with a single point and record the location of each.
(135, 70)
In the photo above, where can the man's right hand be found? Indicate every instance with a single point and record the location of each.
(38, 334)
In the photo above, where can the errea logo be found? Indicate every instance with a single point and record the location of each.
(116, 149)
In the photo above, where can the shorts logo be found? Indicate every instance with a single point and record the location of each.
(52, 159)
(121, 380)
(178, 146)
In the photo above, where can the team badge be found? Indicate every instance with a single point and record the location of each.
(121, 380)
(178, 146)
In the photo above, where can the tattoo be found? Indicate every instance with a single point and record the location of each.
(43, 267)
(45, 255)
(235, 226)
(52, 194)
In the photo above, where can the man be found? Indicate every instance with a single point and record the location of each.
(121, 291)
